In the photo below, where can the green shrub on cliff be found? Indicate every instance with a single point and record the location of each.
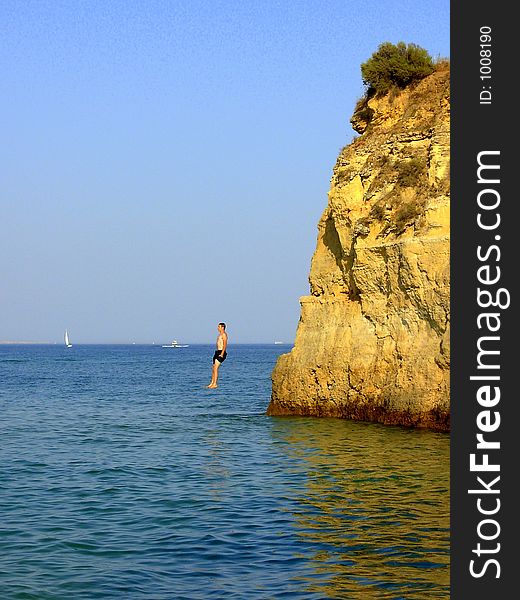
(395, 65)
(410, 172)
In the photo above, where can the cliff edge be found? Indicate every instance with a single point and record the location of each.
(373, 338)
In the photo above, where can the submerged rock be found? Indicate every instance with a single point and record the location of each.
(373, 337)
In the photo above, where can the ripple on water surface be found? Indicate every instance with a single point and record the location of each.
(124, 477)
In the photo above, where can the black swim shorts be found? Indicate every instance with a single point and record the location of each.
(217, 356)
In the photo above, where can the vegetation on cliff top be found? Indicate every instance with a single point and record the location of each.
(390, 69)
(395, 65)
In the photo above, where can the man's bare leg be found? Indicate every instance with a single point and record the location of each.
(217, 365)
(214, 375)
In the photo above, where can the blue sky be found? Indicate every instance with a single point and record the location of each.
(165, 163)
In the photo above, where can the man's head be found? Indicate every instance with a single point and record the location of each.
(222, 326)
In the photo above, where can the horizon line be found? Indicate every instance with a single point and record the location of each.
(46, 343)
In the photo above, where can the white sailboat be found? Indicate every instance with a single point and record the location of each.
(67, 341)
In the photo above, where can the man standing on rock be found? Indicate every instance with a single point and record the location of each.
(220, 353)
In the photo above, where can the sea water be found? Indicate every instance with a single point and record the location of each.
(123, 476)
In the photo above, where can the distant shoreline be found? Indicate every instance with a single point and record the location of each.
(9, 343)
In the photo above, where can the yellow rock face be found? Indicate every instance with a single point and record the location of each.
(373, 338)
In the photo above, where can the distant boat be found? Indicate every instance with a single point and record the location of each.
(67, 341)
(175, 344)
(278, 342)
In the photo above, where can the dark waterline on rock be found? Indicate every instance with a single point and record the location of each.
(123, 476)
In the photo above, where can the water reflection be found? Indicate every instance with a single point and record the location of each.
(374, 513)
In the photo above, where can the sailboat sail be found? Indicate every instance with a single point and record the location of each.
(67, 342)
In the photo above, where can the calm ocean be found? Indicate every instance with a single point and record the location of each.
(122, 476)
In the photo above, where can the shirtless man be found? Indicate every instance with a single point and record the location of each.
(220, 353)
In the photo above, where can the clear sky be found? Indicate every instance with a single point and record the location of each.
(164, 164)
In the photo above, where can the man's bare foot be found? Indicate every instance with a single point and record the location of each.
(211, 385)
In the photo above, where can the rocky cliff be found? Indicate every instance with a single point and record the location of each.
(373, 338)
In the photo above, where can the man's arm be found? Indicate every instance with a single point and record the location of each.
(224, 339)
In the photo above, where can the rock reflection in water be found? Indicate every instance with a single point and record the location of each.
(374, 518)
